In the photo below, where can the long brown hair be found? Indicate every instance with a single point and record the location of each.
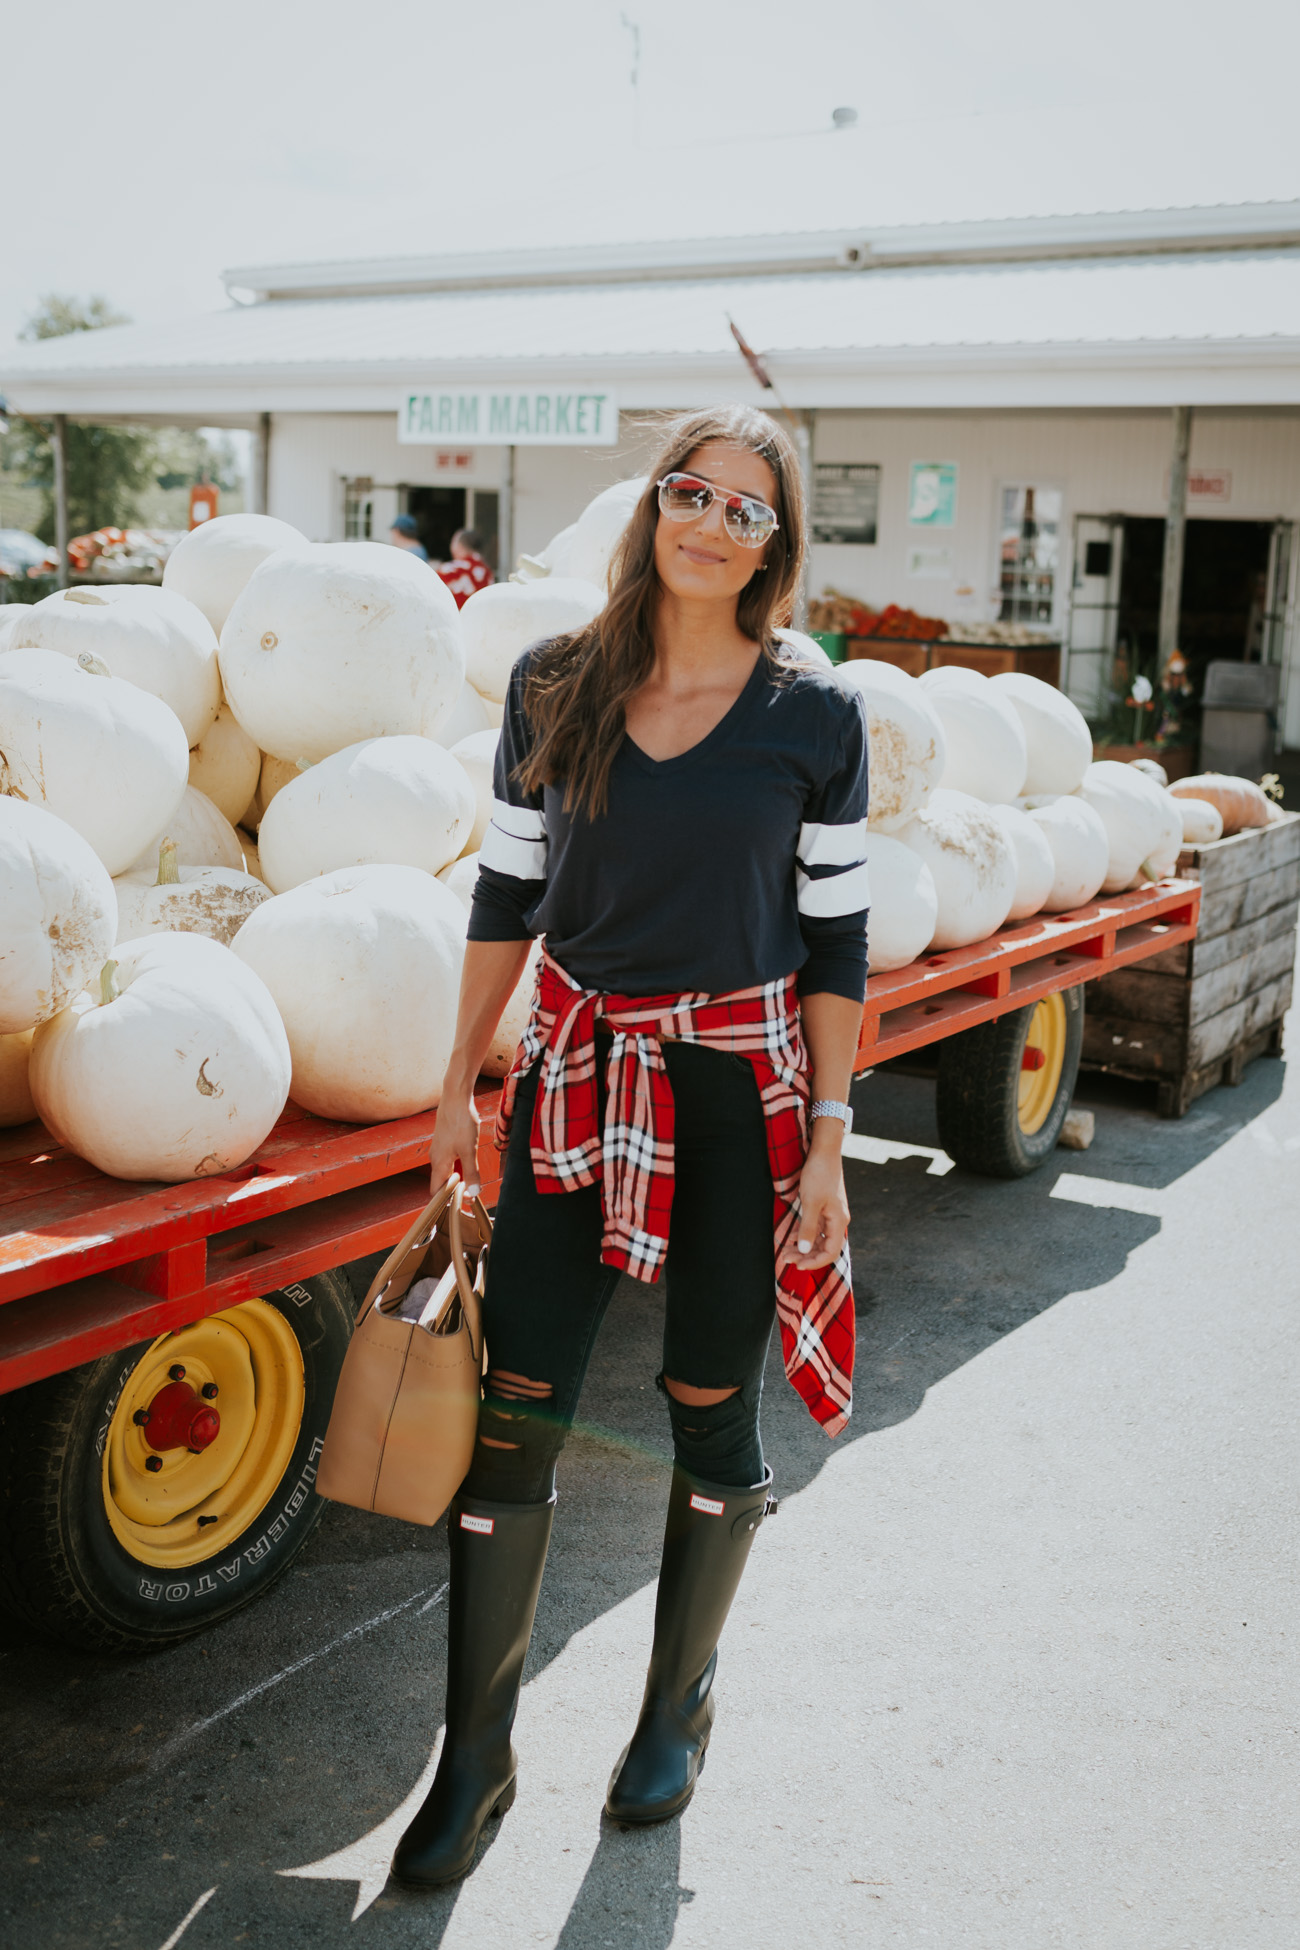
(579, 685)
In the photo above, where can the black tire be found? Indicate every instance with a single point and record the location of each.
(62, 1568)
(977, 1093)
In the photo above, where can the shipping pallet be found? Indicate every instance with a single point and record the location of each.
(1195, 1015)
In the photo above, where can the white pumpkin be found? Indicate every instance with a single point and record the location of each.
(225, 764)
(1035, 864)
(805, 648)
(335, 642)
(501, 621)
(1161, 862)
(211, 565)
(1080, 850)
(10, 615)
(387, 801)
(514, 1018)
(151, 637)
(176, 1066)
(17, 1105)
(531, 568)
(585, 551)
(365, 966)
(904, 904)
(215, 901)
(955, 677)
(1153, 769)
(972, 862)
(203, 836)
(987, 750)
(907, 746)
(467, 715)
(496, 711)
(1130, 808)
(477, 757)
(94, 749)
(1056, 732)
(460, 878)
(1202, 822)
(58, 915)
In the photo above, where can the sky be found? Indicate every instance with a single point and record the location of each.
(170, 142)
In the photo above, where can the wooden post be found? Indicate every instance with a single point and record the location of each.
(1171, 579)
(506, 517)
(59, 447)
(260, 468)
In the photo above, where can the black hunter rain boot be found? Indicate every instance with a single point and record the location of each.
(706, 1543)
(498, 1551)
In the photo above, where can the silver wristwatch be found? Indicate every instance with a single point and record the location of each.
(826, 1107)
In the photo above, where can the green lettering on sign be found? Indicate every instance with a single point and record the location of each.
(467, 413)
(542, 413)
(563, 401)
(499, 414)
(580, 425)
(521, 415)
(444, 413)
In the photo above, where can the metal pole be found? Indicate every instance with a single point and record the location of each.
(506, 517)
(259, 484)
(803, 435)
(1171, 579)
(59, 447)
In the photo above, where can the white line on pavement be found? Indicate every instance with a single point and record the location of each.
(1108, 1194)
(166, 1753)
(188, 1918)
(879, 1151)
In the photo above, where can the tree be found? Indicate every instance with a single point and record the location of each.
(107, 467)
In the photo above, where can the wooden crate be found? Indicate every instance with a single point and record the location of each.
(1195, 1015)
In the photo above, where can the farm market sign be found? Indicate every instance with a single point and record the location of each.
(509, 416)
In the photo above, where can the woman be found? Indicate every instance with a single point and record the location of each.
(680, 812)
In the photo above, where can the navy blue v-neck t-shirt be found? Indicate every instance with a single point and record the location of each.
(738, 861)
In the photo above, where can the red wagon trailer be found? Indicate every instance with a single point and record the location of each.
(168, 1353)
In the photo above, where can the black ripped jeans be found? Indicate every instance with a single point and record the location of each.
(547, 1289)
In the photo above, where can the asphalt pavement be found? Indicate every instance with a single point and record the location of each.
(1012, 1667)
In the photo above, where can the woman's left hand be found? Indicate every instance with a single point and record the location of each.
(823, 1212)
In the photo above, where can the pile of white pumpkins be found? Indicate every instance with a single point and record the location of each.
(987, 808)
(239, 821)
(240, 814)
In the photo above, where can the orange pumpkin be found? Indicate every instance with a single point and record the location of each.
(1241, 803)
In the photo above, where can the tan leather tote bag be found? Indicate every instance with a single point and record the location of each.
(402, 1432)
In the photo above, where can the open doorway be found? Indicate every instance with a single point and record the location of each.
(1224, 595)
(439, 511)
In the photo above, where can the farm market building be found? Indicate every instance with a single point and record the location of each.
(961, 385)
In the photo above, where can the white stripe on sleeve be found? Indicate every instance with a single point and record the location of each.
(522, 855)
(833, 846)
(521, 822)
(835, 893)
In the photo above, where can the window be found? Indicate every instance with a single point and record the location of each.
(1029, 553)
(358, 510)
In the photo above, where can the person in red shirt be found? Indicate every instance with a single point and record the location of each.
(467, 572)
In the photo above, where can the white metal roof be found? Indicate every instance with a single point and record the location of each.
(1203, 329)
(861, 247)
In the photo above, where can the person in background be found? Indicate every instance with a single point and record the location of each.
(405, 534)
(467, 572)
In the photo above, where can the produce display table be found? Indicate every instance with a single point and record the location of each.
(990, 659)
(1194, 1015)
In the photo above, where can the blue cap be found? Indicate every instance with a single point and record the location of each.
(404, 525)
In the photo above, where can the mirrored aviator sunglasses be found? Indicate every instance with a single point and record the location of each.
(684, 497)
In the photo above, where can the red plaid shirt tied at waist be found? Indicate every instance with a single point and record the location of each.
(631, 1159)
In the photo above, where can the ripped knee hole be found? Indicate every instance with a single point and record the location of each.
(500, 1386)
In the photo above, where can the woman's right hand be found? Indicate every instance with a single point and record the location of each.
(455, 1144)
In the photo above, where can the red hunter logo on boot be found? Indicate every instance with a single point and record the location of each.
(481, 1526)
(710, 1507)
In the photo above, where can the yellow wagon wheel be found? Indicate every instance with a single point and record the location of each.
(1041, 1064)
(202, 1435)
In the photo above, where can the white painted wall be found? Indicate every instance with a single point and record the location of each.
(1103, 462)
(312, 454)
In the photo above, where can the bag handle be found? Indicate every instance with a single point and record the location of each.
(464, 1285)
(420, 1232)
